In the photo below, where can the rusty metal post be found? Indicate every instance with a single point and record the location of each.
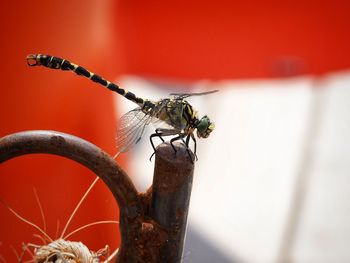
(171, 192)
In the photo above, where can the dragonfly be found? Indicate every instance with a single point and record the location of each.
(173, 116)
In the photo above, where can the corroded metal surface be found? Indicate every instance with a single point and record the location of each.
(152, 224)
(172, 186)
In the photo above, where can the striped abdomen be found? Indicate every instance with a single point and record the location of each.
(63, 64)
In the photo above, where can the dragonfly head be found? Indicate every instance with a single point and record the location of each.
(204, 127)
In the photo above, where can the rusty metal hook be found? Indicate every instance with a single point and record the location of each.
(74, 148)
(152, 225)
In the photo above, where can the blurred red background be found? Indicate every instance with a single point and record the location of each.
(37, 98)
(233, 39)
(183, 41)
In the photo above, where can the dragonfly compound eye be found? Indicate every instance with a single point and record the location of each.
(204, 127)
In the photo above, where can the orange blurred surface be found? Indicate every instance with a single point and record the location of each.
(38, 98)
(226, 39)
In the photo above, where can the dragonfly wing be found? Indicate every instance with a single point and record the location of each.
(186, 95)
(159, 124)
(131, 127)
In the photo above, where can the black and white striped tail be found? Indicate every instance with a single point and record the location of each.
(63, 64)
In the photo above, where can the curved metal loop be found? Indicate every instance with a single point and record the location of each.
(83, 152)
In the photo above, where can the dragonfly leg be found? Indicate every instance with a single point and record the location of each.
(187, 143)
(156, 134)
(180, 137)
(150, 158)
(159, 133)
(195, 145)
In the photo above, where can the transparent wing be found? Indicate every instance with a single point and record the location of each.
(133, 124)
(157, 123)
(186, 95)
(131, 127)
